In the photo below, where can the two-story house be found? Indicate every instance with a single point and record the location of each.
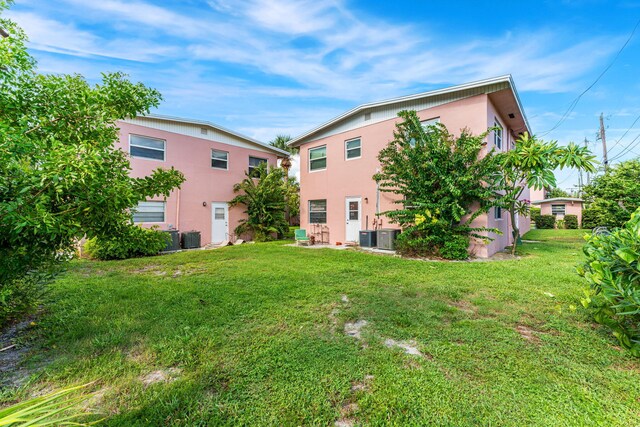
(212, 160)
(339, 158)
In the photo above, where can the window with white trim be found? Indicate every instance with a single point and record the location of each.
(149, 212)
(497, 212)
(353, 148)
(254, 163)
(430, 122)
(558, 209)
(219, 159)
(497, 135)
(318, 158)
(146, 148)
(318, 211)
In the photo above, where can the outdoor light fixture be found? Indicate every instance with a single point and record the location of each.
(366, 200)
(204, 203)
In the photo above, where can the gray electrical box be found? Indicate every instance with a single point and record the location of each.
(368, 238)
(387, 238)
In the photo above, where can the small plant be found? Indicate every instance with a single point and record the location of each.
(613, 272)
(133, 242)
(571, 222)
(545, 222)
(560, 224)
(53, 409)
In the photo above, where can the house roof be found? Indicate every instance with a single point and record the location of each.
(216, 127)
(506, 79)
(557, 199)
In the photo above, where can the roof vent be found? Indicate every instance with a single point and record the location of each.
(367, 116)
(512, 116)
(203, 131)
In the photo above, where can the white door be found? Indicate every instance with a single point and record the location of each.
(219, 222)
(353, 213)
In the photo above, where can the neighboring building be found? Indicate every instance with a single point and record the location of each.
(339, 158)
(561, 206)
(537, 194)
(212, 160)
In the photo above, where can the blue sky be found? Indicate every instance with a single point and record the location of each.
(264, 67)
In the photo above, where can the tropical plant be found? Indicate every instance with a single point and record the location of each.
(280, 141)
(613, 196)
(263, 194)
(292, 190)
(53, 409)
(61, 177)
(443, 185)
(612, 270)
(530, 163)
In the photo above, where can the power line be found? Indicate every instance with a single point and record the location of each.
(574, 103)
(628, 148)
(625, 133)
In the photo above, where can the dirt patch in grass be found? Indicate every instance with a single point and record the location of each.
(464, 306)
(528, 333)
(15, 345)
(409, 347)
(354, 329)
(161, 375)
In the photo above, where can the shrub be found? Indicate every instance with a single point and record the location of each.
(534, 213)
(594, 217)
(571, 222)
(133, 242)
(456, 247)
(613, 273)
(545, 221)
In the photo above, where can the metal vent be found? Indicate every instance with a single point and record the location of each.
(367, 116)
(203, 131)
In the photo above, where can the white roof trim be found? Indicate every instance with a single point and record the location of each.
(558, 199)
(217, 127)
(300, 139)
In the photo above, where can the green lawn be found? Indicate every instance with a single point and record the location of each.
(254, 335)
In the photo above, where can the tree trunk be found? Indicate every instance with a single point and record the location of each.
(516, 230)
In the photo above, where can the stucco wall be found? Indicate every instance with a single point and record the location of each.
(571, 208)
(192, 156)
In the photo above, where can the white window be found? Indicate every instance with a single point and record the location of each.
(497, 135)
(254, 163)
(219, 159)
(146, 147)
(558, 210)
(318, 158)
(497, 212)
(149, 212)
(430, 122)
(353, 149)
(318, 211)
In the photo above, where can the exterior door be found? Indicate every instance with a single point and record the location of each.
(353, 213)
(219, 222)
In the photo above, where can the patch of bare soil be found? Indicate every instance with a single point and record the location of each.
(14, 346)
(464, 306)
(527, 333)
(354, 329)
(161, 375)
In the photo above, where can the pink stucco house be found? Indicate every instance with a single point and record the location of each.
(338, 158)
(212, 159)
(560, 207)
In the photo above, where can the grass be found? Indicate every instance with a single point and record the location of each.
(254, 335)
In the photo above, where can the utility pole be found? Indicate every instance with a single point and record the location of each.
(604, 143)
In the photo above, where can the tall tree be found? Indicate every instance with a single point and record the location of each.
(280, 141)
(61, 177)
(557, 192)
(613, 196)
(443, 184)
(531, 164)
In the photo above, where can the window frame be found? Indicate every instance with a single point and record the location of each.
(226, 161)
(317, 211)
(498, 135)
(251, 169)
(564, 209)
(346, 149)
(312, 160)
(164, 212)
(497, 213)
(164, 147)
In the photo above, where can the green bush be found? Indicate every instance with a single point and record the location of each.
(456, 247)
(447, 245)
(571, 222)
(613, 272)
(534, 213)
(545, 222)
(592, 218)
(133, 242)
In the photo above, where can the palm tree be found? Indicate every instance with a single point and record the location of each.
(280, 141)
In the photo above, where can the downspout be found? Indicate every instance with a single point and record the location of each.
(177, 226)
